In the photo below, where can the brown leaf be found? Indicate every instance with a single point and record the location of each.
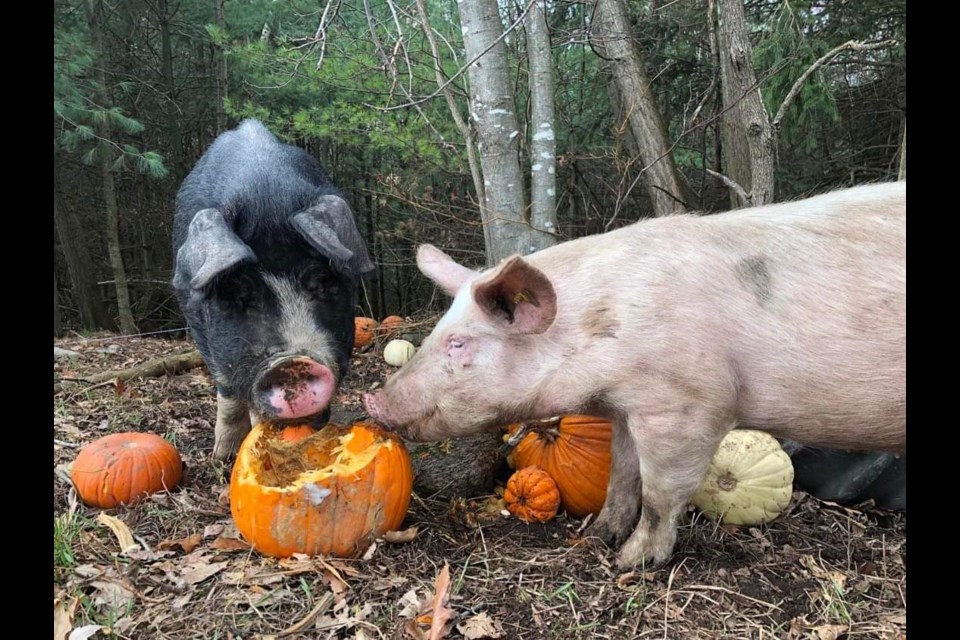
(63, 617)
(85, 632)
(188, 544)
(480, 626)
(438, 627)
(111, 593)
(200, 570)
(400, 537)
(229, 544)
(830, 631)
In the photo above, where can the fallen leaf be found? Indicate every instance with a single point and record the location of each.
(120, 530)
(63, 618)
(188, 544)
(180, 602)
(368, 554)
(200, 572)
(399, 537)
(229, 544)
(439, 627)
(213, 530)
(84, 632)
(830, 631)
(111, 593)
(87, 571)
(409, 604)
(480, 626)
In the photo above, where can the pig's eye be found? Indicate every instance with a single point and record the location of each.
(455, 343)
(320, 281)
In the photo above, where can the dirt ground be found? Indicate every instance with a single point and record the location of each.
(821, 571)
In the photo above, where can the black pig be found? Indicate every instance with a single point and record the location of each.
(267, 262)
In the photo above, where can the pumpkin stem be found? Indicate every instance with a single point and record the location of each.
(727, 482)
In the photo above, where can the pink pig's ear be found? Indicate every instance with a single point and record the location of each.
(441, 268)
(518, 294)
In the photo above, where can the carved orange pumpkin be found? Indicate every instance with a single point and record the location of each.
(122, 468)
(390, 324)
(532, 495)
(364, 330)
(575, 451)
(331, 492)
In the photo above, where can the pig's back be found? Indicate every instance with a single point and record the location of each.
(819, 352)
(794, 313)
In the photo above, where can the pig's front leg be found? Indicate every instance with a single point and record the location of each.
(233, 424)
(675, 449)
(619, 513)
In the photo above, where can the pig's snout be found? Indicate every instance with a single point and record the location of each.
(295, 388)
(373, 403)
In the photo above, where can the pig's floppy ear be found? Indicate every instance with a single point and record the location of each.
(518, 294)
(441, 268)
(329, 228)
(210, 249)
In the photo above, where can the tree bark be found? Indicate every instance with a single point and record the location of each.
(748, 141)
(57, 320)
(612, 38)
(498, 135)
(902, 173)
(166, 60)
(543, 153)
(95, 21)
(221, 73)
(83, 282)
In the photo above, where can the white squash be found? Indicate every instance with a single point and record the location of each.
(398, 352)
(749, 482)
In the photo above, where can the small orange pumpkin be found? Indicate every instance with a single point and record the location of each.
(532, 495)
(364, 331)
(331, 492)
(575, 451)
(390, 324)
(122, 468)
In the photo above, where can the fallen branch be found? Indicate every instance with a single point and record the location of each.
(167, 366)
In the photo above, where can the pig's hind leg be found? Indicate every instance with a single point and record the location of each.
(619, 513)
(675, 448)
(233, 424)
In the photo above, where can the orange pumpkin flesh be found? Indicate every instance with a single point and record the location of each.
(330, 493)
(296, 433)
(575, 451)
(532, 495)
(123, 468)
(364, 330)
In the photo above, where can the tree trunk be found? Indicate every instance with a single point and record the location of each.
(95, 21)
(611, 36)
(902, 173)
(83, 282)
(498, 136)
(543, 154)
(748, 142)
(221, 73)
(57, 321)
(173, 120)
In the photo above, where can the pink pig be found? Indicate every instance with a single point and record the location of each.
(790, 318)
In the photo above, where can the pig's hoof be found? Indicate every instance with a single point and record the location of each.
(629, 559)
(643, 551)
(610, 534)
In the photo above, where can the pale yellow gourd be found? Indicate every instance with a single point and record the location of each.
(749, 482)
(398, 352)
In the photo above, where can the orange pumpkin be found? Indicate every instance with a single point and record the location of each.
(532, 495)
(575, 451)
(122, 468)
(296, 433)
(364, 330)
(330, 493)
(390, 324)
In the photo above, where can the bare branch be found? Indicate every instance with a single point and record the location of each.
(828, 57)
(745, 197)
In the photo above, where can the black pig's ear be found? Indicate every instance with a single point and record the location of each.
(518, 295)
(210, 249)
(329, 228)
